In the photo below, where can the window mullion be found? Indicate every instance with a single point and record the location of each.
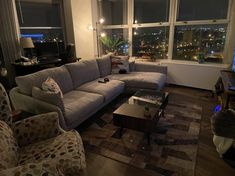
(173, 14)
(130, 23)
(201, 22)
(151, 25)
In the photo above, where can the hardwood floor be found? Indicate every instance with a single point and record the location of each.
(208, 161)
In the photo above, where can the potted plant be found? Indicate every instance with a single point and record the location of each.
(114, 45)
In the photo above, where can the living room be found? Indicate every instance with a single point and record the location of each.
(117, 87)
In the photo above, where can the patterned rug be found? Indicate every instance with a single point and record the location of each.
(173, 146)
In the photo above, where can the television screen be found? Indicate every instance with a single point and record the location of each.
(233, 66)
(49, 49)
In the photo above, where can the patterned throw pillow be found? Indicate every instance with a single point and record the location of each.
(51, 85)
(120, 64)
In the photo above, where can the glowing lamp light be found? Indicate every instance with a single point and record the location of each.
(103, 34)
(90, 28)
(136, 21)
(101, 20)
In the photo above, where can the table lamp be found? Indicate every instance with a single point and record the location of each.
(27, 45)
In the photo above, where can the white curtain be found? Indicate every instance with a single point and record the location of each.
(9, 35)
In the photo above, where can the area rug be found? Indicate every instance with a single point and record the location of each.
(174, 143)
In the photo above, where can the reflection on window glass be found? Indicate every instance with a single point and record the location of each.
(151, 43)
(116, 40)
(43, 35)
(202, 10)
(34, 14)
(191, 41)
(114, 12)
(150, 11)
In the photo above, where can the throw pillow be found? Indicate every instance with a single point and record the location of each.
(48, 96)
(132, 64)
(52, 86)
(120, 64)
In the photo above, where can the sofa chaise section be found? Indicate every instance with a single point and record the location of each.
(142, 75)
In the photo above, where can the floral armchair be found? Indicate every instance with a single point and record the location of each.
(37, 145)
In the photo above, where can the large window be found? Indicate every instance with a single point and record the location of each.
(190, 10)
(42, 21)
(169, 29)
(150, 11)
(151, 42)
(190, 40)
(116, 40)
(115, 12)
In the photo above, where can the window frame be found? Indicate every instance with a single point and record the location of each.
(61, 10)
(172, 23)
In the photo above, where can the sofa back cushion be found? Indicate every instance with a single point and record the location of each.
(104, 64)
(83, 71)
(8, 147)
(59, 74)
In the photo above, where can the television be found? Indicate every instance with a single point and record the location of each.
(233, 64)
(49, 49)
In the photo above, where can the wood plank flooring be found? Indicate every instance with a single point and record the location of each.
(208, 161)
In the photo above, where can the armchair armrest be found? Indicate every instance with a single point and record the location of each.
(150, 67)
(33, 169)
(34, 106)
(37, 128)
(69, 165)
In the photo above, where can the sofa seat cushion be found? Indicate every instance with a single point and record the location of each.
(59, 74)
(78, 106)
(141, 80)
(66, 145)
(109, 90)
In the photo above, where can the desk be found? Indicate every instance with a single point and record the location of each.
(227, 91)
(27, 68)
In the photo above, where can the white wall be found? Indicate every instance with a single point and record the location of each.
(82, 18)
(203, 76)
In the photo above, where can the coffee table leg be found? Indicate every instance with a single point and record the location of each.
(120, 132)
(149, 138)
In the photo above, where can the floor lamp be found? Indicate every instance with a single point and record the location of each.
(97, 26)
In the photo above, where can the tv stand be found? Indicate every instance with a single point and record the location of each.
(225, 75)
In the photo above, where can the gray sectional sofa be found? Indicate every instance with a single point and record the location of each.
(83, 95)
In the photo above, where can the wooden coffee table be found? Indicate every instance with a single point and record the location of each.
(132, 114)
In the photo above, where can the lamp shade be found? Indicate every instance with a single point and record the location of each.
(26, 42)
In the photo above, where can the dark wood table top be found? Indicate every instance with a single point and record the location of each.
(132, 115)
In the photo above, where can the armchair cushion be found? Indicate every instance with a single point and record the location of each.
(5, 107)
(66, 145)
(49, 97)
(37, 128)
(8, 147)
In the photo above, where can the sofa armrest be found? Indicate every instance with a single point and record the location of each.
(150, 67)
(37, 128)
(34, 106)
